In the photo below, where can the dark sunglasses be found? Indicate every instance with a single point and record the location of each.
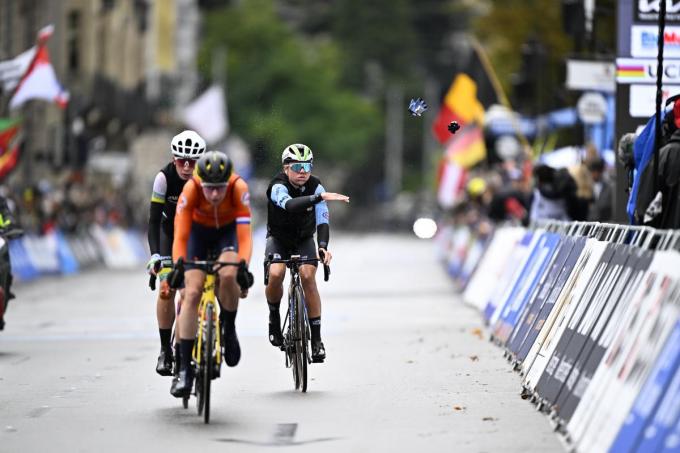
(300, 166)
(186, 162)
(214, 185)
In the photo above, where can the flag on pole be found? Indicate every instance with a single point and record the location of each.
(467, 148)
(207, 115)
(451, 180)
(461, 105)
(12, 70)
(464, 149)
(40, 81)
(9, 145)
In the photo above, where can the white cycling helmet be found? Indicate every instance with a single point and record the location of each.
(187, 145)
(297, 153)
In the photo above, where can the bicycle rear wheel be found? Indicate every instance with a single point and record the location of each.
(301, 343)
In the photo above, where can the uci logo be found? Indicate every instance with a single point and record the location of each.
(646, 7)
(654, 6)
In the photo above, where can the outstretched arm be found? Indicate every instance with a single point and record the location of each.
(282, 199)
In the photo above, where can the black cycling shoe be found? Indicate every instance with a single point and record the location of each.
(173, 386)
(182, 386)
(318, 352)
(232, 349)
(165, 362)
(275, 335)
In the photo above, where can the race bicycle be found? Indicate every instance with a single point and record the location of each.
(295, 329)
(207, 352)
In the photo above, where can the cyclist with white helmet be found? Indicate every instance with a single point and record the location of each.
(186, 148)
(296, 209)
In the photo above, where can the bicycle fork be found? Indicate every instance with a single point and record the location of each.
(208, 297)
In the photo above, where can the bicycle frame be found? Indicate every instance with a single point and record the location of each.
(297, 334)
(207, 298)
(208, 337)
(291, 316)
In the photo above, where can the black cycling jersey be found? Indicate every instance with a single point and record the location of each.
(292, 226)
(167, 188)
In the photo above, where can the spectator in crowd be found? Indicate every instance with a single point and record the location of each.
(600, 209)
(659, 195)
(555, 195)
(70, 206)
(625, 156)
(508, 201)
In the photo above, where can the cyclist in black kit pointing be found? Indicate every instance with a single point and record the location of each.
(296, 209)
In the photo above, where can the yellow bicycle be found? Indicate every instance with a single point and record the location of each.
(207, 352)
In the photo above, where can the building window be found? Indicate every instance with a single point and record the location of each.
(73, 42)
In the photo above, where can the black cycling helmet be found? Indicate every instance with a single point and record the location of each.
(214, 167)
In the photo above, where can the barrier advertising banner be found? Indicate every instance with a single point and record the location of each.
(593, 326)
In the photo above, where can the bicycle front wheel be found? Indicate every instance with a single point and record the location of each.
(292, 341)
(209, 350)
(301, 344)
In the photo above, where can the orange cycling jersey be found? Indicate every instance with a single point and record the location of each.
(193, 207)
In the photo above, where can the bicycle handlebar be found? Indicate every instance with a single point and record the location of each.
(326, 267)
(12, 233)
(207, 265)
(290, 262)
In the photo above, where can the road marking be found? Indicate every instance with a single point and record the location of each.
(283, 436)
(38, 412)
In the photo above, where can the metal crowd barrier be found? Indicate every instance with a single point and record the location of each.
(589, 314)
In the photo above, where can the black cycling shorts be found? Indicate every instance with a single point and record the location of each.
(205, 241)
(306, 248)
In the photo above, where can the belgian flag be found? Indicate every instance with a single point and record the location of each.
(465, 102)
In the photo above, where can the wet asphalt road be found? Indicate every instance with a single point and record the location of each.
(405, 371)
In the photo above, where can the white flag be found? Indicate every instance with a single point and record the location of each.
(40, 82)
(207, 115)
(450, 185)
(12, 70)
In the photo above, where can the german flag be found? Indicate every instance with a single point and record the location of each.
(466, 148)
(9, 145)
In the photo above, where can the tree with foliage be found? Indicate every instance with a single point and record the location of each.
(534, 27)
(284, 89)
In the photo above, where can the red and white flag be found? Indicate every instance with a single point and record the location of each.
(40, 80)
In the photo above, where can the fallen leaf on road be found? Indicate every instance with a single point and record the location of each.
(474, 358)
(489, 419)
(477, 332)
(459, 408)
